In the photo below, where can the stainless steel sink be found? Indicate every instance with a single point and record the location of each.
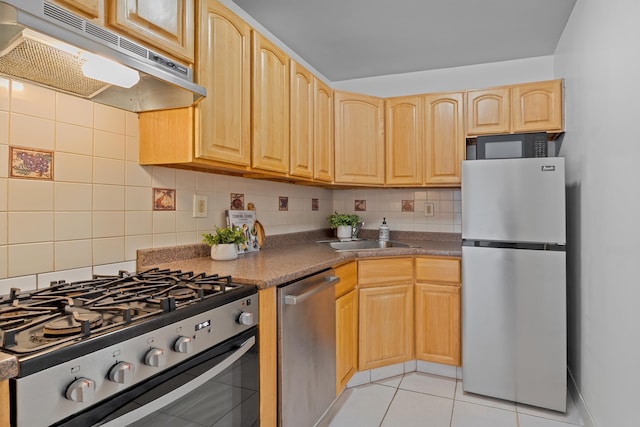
(361, 245)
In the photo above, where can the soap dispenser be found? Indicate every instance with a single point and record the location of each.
(383, 234)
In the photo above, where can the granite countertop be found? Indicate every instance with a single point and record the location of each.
(289, 257)
(8, 366)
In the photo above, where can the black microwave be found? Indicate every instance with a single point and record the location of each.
(514, 146)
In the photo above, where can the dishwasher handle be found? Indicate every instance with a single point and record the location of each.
(296, 299)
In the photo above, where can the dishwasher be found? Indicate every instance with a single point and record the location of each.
(306, 349)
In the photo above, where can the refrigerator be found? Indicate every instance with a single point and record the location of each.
(514, 280)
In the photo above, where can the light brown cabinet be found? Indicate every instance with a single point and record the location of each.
(359, 139)
(301, 122)
(404, 141)
(444, 138)
(386, 331)
(167, 26)
(425, 140)
(346, 324)
(322, 131)
(526, 107)
(537, 106)
(437, 310)
(216, 133)
(270, 107)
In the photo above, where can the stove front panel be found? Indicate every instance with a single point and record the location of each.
(47, 396)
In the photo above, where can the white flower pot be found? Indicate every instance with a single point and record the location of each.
(344, 232)
(224, 252)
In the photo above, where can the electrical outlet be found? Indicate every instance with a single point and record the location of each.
(199, 206)
(428, 209)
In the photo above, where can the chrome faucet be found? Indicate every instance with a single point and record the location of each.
(356, 229)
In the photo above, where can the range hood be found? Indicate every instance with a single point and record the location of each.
(45, 44)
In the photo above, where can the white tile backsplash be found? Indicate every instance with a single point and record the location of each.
(31, 132)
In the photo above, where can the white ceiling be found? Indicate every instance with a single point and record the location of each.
(346, 39)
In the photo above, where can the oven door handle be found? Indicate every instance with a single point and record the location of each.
(156, 405)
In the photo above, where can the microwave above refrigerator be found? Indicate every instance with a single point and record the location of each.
(518, 145)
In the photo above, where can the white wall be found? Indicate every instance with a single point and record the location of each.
(599, 57)
(453, 79)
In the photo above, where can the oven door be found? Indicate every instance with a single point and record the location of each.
(216, 388)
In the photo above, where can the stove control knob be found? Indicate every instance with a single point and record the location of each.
(81, 390)
(155, 357)
(183, 345)
(122, 373)
(245, 318)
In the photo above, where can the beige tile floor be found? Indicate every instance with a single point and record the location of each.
(425, 400)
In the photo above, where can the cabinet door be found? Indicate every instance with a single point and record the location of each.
(488, 111)
(404, 142)
(168, 25)
(224, 68)
(359, 139)
(270, 107)
(346, 339)
(322, 131)
(537, 106)
(92, 10)
(386, 326)
(445, 139)
(438, 323)
(301, 122)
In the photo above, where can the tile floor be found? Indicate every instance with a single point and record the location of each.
(425, 400)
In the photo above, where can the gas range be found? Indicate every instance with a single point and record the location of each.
(82, 342)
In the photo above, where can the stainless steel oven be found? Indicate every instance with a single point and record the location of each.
(154, 348)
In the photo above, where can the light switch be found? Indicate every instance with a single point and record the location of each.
(428, 209)
(199, 206)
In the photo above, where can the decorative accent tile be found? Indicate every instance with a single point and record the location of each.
(407, 206)
(315, 204)
(237, 201)
(361, 205)
(29, 163)
(164, 199)
(283, 203)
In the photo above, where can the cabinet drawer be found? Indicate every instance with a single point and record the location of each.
(385, 271)
(348, 274)
(438, 270)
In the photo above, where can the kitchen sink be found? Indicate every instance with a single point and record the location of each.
(361, 245)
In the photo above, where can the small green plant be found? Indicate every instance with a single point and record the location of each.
(336, 219)
(225, 235)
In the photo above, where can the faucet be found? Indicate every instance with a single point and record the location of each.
(356, 229)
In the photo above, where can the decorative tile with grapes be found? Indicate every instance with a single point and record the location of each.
(30, 163)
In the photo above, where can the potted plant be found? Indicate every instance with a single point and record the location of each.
(223, 242)
(343, 223)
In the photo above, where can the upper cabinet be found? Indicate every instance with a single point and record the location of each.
(527, 107)
(224, 68)
(164, 25)
(537, 106)
(301, 122)
(323, 154)
(404, 140)
(270, 107)
(359, 139)
(444, 138)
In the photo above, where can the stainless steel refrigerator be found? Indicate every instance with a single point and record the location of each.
(514, 280)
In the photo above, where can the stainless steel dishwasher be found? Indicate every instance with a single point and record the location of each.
(306, 349)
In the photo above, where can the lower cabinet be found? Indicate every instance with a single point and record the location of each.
(386, 326)
(437, 310)
(346, 324)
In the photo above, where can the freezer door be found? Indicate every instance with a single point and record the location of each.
(514, 200)
(514, 325)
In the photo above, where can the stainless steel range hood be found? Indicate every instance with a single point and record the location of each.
(25, 54)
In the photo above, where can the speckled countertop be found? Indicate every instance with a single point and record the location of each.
(285, 258)
(8, 366)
